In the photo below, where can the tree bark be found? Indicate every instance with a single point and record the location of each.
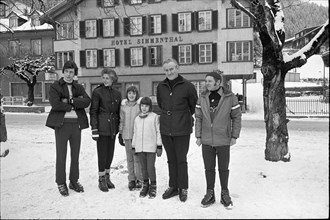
(30, 99)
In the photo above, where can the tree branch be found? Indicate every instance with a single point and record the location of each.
(242, 8)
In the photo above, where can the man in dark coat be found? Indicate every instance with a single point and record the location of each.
(68, 117)
(104, 116)
(176, 98)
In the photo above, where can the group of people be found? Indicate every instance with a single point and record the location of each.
(144, 133)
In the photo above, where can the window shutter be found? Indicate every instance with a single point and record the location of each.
(117, 63)
(214, 52)
(116, 27)
(195, 55)
(144, 25)
(197, 20)
(127, 1)
(215, 19)
(164, 24)
(99, 3)
(175, 22)
(143, 1)
(100, 28)
(159, 55)
(144, 56)
(151, 1)
(100, 60)
(151, 27)
(82, 58)
(82, 29)
(175, 53)
(126, 26)
(193, 21)
(127, 56)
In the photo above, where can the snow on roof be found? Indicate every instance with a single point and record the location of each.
(27, 27)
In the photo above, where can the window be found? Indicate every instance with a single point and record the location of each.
(184, 20)
(136, 25)
(205, 53)
(155, 55)
(154, 1)
(185, 55)
(204, 20)
(108, 27)
(133, 2)
(136, 84)
(91, 58)
(36, 47)
(199, 86)
(14, 48)
(155, 24)
(62, 57)
(90, 26)
(2, 10)
(35, 20)
(64, 31)
(108, 3)
(109, 58)
(136, 56)
(13, 21)
(20, 89)
(237, 19)
(239, 51)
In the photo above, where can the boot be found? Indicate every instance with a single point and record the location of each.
(152, 191)
(145, 189)
(208, 199)
(183, 194)
(225, 198)
(108, 181)
(170, 192)
(103, 184)
(138, 184)
(131, 185)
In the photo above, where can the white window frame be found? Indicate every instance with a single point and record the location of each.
(109, 57)
(90, 29)
(36, 47)
(108, 27)
(108, 3)
(136, 25)
(91, 58)
(13, 21)
(62, 57)
(184, 21)
(239, 51)
(185, 54)
(136, 56)
(239, 19)
(14, 48)
(156, 24)
(154, 55)
(134, 2)
(204, 20)
(65, 31)
(205, 53)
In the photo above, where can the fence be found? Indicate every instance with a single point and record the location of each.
(307, 106)
(13, 100)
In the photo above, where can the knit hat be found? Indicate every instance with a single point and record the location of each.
(216, 74)
(70, 65)
(132, 89)
(146, 101)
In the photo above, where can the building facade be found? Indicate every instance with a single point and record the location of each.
(135, 36)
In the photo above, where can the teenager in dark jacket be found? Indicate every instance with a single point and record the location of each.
(104, 118)
(218, 125)
(68, 117)
(176, 98)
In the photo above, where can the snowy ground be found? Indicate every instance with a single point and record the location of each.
(259, 189)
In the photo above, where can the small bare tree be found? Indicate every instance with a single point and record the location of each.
(269, 20)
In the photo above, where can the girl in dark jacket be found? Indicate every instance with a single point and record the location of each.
(104, 119)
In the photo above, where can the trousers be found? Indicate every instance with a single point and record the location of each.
(105, 151)
(133, 162)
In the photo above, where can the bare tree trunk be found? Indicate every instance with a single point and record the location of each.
(275, 116)
(30, 99)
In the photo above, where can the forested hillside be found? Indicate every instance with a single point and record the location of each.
(299, 15)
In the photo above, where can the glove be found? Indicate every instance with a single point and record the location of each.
(159, 151)
(133, 149)
(95, 134)
(121, 141)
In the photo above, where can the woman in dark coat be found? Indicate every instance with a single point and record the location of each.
(104, 119)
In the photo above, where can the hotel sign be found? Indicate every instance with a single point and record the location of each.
(153, 40)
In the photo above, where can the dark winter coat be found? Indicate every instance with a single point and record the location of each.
(58, 91)
(3, 129)
(105, 109)
(226, 123)
(177, 107)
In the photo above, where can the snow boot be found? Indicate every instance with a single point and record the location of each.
(145, 189)
(76, 186)
(152, 191)
(63, 189)
(108, 181)
(103, 184)
(170, 192)
(225, 198)
(183, 194)
(138, 184)
(131, 185)
(208, 199)
(5, 153)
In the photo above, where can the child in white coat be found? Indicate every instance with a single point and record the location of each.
(147, 143)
